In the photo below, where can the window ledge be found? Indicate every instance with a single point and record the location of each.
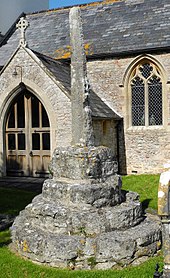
(143, 128)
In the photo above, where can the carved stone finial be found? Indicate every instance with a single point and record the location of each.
(22, 26)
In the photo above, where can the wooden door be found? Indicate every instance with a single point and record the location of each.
(27, 137)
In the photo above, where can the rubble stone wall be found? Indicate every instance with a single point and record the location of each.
(145, 149)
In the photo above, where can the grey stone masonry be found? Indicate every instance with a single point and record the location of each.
(85, 222)
(82, 219)
(82, 130)
(83, 163)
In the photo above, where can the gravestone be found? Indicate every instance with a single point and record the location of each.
(164, 213)
(82, 219)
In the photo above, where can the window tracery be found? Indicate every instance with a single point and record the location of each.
(146, 95)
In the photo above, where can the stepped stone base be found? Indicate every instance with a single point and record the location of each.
(62, 233)
(85, 223)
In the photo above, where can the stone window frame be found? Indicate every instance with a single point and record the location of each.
(129, 74)
(143, 74)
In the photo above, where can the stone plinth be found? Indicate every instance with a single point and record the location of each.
(92, 163)
(84, 220)
(84, 192)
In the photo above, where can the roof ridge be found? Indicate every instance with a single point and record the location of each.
(11, 30)
(95, 3)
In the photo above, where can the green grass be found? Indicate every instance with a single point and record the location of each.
(12, 201)
(146, 186)
(12, 266)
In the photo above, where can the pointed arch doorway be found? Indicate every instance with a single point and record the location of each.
(27, 137)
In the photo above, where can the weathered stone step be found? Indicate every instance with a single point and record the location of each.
(107, 250)
(77, 219)
(84, 192)
(129, 245)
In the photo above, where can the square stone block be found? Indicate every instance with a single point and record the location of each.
(83, 163)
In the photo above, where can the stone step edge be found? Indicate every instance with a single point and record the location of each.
(109, 218)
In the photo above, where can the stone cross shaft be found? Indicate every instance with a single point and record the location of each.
(82, 130)
(22, 26)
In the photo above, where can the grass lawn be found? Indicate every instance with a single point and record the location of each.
(12, 201)
(12, 266)
(146, 186)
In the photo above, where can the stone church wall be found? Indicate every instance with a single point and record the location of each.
(105, 134)
(141, 149)
(38, 81)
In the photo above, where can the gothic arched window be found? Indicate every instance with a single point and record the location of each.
(146, 95)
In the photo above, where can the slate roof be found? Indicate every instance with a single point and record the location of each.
(110, 28)
(100, 109)
(62, 72)
(1, 37)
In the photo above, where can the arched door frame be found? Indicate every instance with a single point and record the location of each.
(7, 99)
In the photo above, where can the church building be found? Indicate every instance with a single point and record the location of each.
(127, 45)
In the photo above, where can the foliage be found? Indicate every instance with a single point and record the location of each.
(91, 261)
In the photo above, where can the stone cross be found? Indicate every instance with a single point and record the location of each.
(22, 26)
(82, 129)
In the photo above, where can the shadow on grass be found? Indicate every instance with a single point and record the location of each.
(5, 243)
(12, 200)
(145, 204)
(5, 238)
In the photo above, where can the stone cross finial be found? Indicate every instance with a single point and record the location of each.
(22, 26)
(82, 129)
